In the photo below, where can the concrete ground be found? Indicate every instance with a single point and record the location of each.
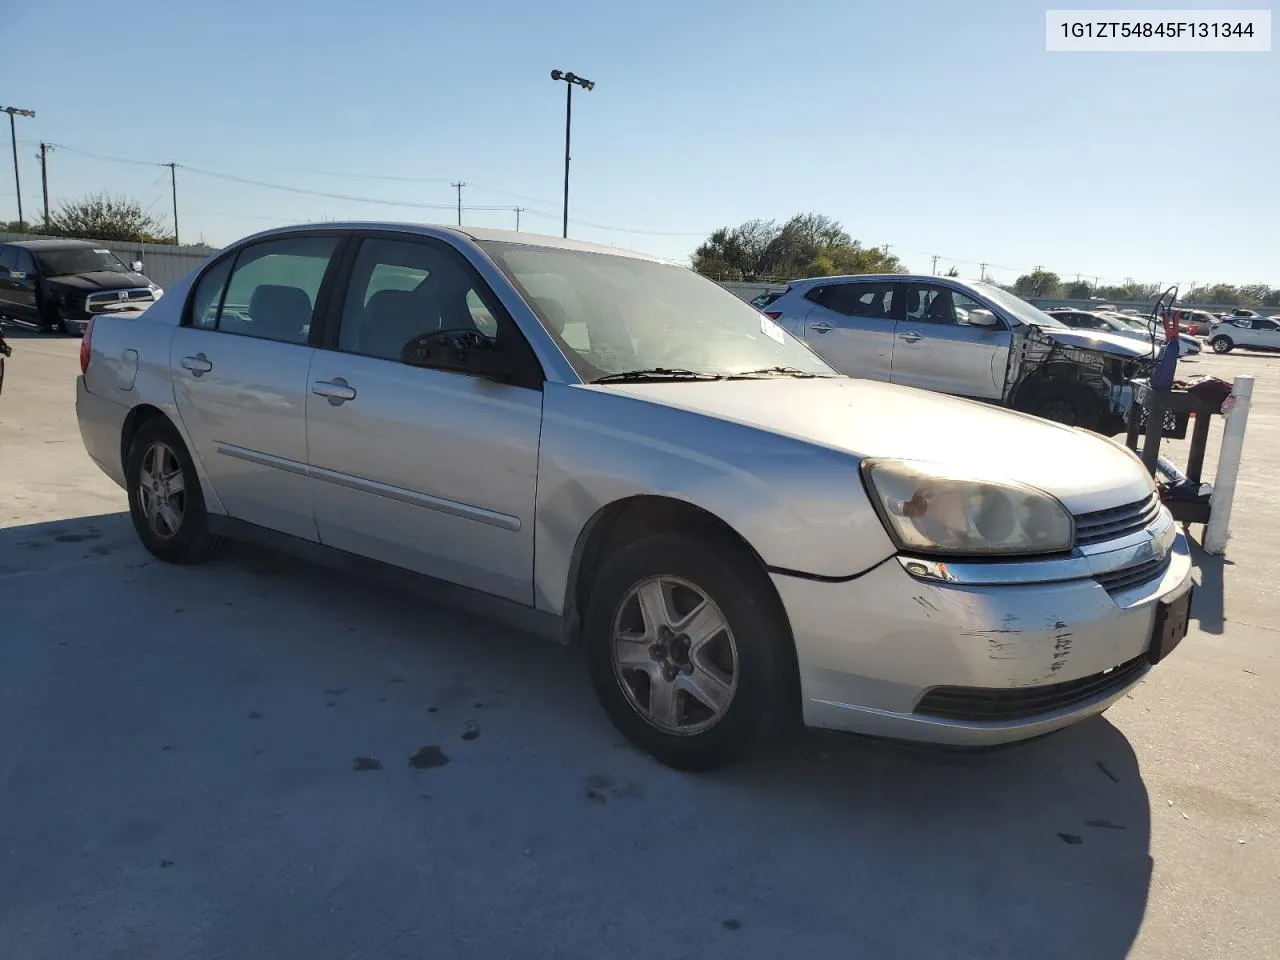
(256, 759)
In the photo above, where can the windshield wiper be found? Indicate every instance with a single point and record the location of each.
(655, 373)
(777, 372)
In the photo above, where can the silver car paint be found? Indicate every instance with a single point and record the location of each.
(777, 460)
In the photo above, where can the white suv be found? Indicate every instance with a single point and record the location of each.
(1252, 332)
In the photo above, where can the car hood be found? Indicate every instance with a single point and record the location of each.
(99, 280)
(1113, 343)
(869, 419)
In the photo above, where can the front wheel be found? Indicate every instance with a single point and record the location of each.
(165, 501)
(1069, 403)
(1221, 344)
(688, 650)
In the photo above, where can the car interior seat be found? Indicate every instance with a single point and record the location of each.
(279, 312)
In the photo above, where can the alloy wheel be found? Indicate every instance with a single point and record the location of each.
(162, 490)
(674, 655)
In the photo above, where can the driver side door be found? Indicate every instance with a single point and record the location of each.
(431, 470)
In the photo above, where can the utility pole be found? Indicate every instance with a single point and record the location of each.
(982, 272)
(458, 186)
(885, 247)
(519, 210)
(173, 183)
(13, 135)
(44, 178)
(935, 264)
(570, 79)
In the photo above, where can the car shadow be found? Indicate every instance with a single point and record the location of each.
(1208, 604)
(276, 735)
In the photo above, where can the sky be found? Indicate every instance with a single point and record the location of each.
(938, 127)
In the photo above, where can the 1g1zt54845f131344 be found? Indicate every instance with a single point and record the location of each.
(1111, 29)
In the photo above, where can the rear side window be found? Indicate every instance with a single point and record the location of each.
(872, 300)
(273, 289)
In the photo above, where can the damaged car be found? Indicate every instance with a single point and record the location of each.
(622, 451)
(968, 338)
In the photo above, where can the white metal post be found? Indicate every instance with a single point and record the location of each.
(1236, 414)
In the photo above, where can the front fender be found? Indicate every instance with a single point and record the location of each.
(801, 507)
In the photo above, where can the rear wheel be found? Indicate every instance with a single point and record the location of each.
(688, 649)
(165, 500)
(1221, 344)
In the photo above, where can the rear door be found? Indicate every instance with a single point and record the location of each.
(239, 365)
(851, 326)
(428, 469)
(1265, 333)
(18, 284)
(935, 346)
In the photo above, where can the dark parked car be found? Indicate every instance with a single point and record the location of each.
(61, 284)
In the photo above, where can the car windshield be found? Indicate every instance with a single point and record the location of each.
(617, 314)
(54, 263)
(1020, 309)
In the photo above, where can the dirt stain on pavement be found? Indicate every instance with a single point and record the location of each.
(361, 764)
(427, 758)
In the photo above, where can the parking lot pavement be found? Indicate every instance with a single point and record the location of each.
(256, 758)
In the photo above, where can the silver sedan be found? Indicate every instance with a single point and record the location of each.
(738, 536)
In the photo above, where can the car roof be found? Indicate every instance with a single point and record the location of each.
(481, 234)
(53, 244)
(807, 282)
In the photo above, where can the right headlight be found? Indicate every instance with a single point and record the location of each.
(931, 509)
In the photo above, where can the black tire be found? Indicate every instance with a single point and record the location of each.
(52, 320)
(764, 694)
(1222, 344)
(192, 540)
(1069, 403)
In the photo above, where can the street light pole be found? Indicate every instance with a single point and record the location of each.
(13, 135)
(570, 79)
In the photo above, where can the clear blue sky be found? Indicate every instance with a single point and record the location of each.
(938, 127)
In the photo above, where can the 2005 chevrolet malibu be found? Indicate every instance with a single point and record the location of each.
(737, 535)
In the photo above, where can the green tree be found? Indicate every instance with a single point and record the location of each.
(1080, 290)
(101, 217)
(953, 272)
(1038, 283)
(809, 244)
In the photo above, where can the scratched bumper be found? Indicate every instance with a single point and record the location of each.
(870, 649)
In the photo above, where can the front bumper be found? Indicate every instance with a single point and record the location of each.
(870, 650)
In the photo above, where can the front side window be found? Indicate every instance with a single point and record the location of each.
(401, 290)
(23, 262)
(927, 303)
(616, 314)
(274, 286)
(208, 295)
(6, 258)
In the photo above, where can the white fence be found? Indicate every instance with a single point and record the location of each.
(163, 263)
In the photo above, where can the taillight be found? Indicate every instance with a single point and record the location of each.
(773, 314)
(85, 346)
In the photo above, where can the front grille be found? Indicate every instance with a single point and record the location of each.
(1102, 525)
(107, 300)
(1021, 703)
(1133, 576)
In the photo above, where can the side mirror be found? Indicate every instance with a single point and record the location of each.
(983, 318)
(136, 266)
(459, 351)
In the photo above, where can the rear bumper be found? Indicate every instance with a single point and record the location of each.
(101, 427)
(871, 650)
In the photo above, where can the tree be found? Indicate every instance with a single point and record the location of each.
(1039, 283)
(1080, 290)
(809, 244)
(16, 226)
(101, 217)
(952, 272)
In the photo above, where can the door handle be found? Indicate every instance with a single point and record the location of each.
(820, 327)
(910, 336)
(198, 365)
(337, 391)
